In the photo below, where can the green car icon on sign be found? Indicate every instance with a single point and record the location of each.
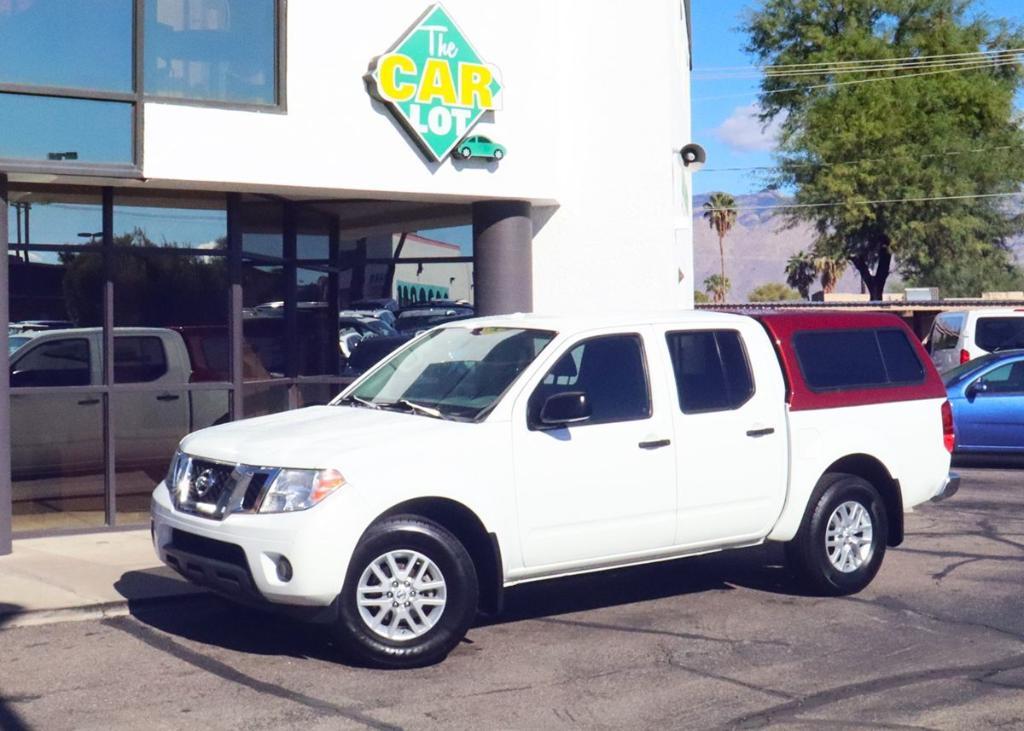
(479, 146)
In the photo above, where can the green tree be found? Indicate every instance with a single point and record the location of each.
(699, 298)
(801, 273)
(851, 139)
(718, 287)
(720, 213)
(773, 292)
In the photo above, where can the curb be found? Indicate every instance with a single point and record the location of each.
(93, 612)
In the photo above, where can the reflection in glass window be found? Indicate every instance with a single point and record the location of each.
(75, 130)
(155, 289)
(84, 44)
(62, 361)
(218, 50)
(57, 460)
(202, 227)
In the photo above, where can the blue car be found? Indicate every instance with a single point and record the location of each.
(987, 396)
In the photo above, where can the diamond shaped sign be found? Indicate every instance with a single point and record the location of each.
(435, 83)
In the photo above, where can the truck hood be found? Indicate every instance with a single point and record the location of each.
(323, 436)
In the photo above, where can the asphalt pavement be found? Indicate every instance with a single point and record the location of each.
(723, 641)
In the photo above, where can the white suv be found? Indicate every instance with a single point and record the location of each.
(957, 337)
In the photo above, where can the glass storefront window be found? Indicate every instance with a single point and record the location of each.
(70, 131)
(262, 228)
(57, 460)
(147, 429)
(213, 50)
(80, 45)
(146, 220)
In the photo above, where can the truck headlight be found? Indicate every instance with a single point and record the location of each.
(177, 471)
(300, 489)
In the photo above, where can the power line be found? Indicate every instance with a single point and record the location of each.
(860, 161)
(962, 63)
(858, 61)
(855, 81)
(884, 201)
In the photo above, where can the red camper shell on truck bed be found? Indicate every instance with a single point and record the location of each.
(838, 359)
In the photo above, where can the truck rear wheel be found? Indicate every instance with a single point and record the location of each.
(842, 539)
(410, 594)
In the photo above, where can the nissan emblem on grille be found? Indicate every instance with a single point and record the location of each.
(206, 483)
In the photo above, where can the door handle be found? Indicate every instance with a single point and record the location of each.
(763, 432)
(88, 402)
(655, 444)
(168, 397)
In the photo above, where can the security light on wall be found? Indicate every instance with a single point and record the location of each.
(693, 156)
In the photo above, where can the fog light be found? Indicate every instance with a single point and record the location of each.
(284, 569)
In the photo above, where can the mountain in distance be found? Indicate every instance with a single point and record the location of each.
(759, 245)
(756, 249)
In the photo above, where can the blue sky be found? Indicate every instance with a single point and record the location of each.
(723, 125)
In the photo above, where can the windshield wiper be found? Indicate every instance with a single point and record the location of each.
(420, 408)
(369, 404)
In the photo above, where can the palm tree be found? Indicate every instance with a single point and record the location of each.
(718, 287)
(801, 273)
(720, 212)
(830, 270)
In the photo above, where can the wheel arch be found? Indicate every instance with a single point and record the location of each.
(464, 524)
(874, 471)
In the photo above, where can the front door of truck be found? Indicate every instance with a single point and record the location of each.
(730, 433)
(604, 487)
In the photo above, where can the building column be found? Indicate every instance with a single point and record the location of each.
(502, 257)
(6, 504)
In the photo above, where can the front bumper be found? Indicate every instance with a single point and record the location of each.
(949, 488)
(238, 556)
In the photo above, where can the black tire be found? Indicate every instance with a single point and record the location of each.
(807, 553)
(498, 154)
(409, 533)
(465, 153)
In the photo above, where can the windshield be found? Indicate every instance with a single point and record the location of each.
(458, 372)
(963, 371)
(14, 343)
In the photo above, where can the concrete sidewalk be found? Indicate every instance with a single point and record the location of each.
(63, 578)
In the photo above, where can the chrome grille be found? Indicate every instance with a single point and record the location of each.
(214, 489)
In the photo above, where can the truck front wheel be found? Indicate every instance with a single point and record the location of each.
(842, 539)
(410, 595)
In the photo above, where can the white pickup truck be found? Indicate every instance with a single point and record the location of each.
(501, 450)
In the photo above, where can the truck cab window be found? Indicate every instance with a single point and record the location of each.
(610, 370)
(53, 363)
(138, 359)
(711, 370)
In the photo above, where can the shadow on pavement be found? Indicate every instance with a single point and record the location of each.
(211, 620)
(156, 583)
(9, 719)
(758, 568)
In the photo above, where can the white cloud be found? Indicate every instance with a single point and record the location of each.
(742, 130)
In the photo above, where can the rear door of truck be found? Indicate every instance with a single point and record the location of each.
(730, 431)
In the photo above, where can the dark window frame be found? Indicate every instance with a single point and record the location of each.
(721, 363)
(533, 409)
(881, 357)
(280, 104)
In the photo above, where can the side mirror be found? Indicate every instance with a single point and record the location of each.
(975, 388)
(563, 409)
